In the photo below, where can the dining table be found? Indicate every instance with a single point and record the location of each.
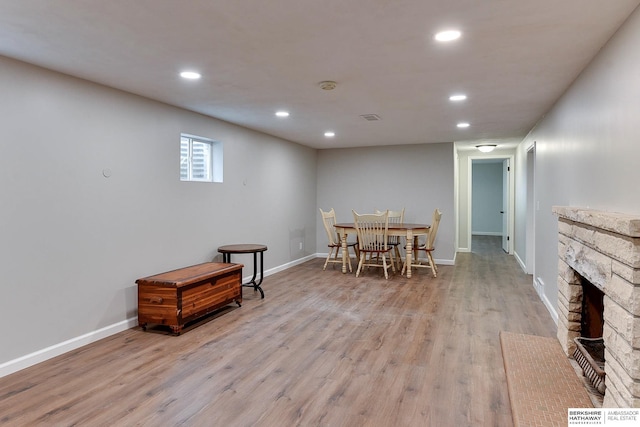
(408, 230)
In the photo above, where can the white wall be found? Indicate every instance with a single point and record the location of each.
(419, 178)
(587, 147)
(486, 198)
(72, 242)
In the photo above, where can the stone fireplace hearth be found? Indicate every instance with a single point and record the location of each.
(604, 248)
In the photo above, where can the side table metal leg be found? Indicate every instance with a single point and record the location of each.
(256, 285)
(261, 273)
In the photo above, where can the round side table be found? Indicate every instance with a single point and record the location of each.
(249, 248)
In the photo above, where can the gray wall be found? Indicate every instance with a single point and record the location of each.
(486, 198)
(419, 178)
(72, 242)
(587, 148)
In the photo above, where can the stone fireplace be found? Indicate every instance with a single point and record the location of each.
(603, 248)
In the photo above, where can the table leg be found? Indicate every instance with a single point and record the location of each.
(345, 254)
(226, 257)
(261, 269)
(409, 252)
(252, 283)
(255, 269)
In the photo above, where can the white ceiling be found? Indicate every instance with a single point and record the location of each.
(514, 60)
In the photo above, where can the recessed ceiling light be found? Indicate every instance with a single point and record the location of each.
(458, 97)
(191, 75)
(282, 113)
(329, 134)
(447, 36)
(463, 125)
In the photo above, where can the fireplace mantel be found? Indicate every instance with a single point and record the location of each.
(604, 248)
(624, 224)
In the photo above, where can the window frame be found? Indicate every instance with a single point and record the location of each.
(212, 160)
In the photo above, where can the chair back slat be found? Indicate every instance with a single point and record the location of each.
(395, 217)
(372, 230)
(435, 222)
(329, 220)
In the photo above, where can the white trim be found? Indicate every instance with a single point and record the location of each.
(520, 262)
(57, 349)
(538, 284)
(486, 233)
(283, 267)
(464, 250)
(511, 195)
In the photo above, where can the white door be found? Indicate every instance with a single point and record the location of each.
(505, 205)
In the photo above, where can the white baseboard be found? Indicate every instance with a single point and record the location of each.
(283, 267)
(57, 349)
(522, 266)
(464, 249)
(486, 233)
(538, 284)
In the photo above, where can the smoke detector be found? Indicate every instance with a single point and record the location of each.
(327, 85)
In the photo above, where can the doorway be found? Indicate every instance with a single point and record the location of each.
(491, 210)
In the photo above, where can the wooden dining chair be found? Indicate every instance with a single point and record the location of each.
(428, 247)
(395, 217)
(335, 242)
(372, 232)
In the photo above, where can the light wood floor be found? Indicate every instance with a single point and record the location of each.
(322, 349)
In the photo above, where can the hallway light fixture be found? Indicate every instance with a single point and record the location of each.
(486, 148)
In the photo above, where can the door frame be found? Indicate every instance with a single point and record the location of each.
(505, 201)
(530, 225)
(510, 194)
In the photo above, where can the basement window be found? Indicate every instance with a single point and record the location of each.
(200, 159)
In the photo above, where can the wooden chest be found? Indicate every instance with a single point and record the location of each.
(180, 296)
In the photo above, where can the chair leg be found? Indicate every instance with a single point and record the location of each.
(362, 258)
(384, 266)
(432, 263)
(398, 255)
(328, 258)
